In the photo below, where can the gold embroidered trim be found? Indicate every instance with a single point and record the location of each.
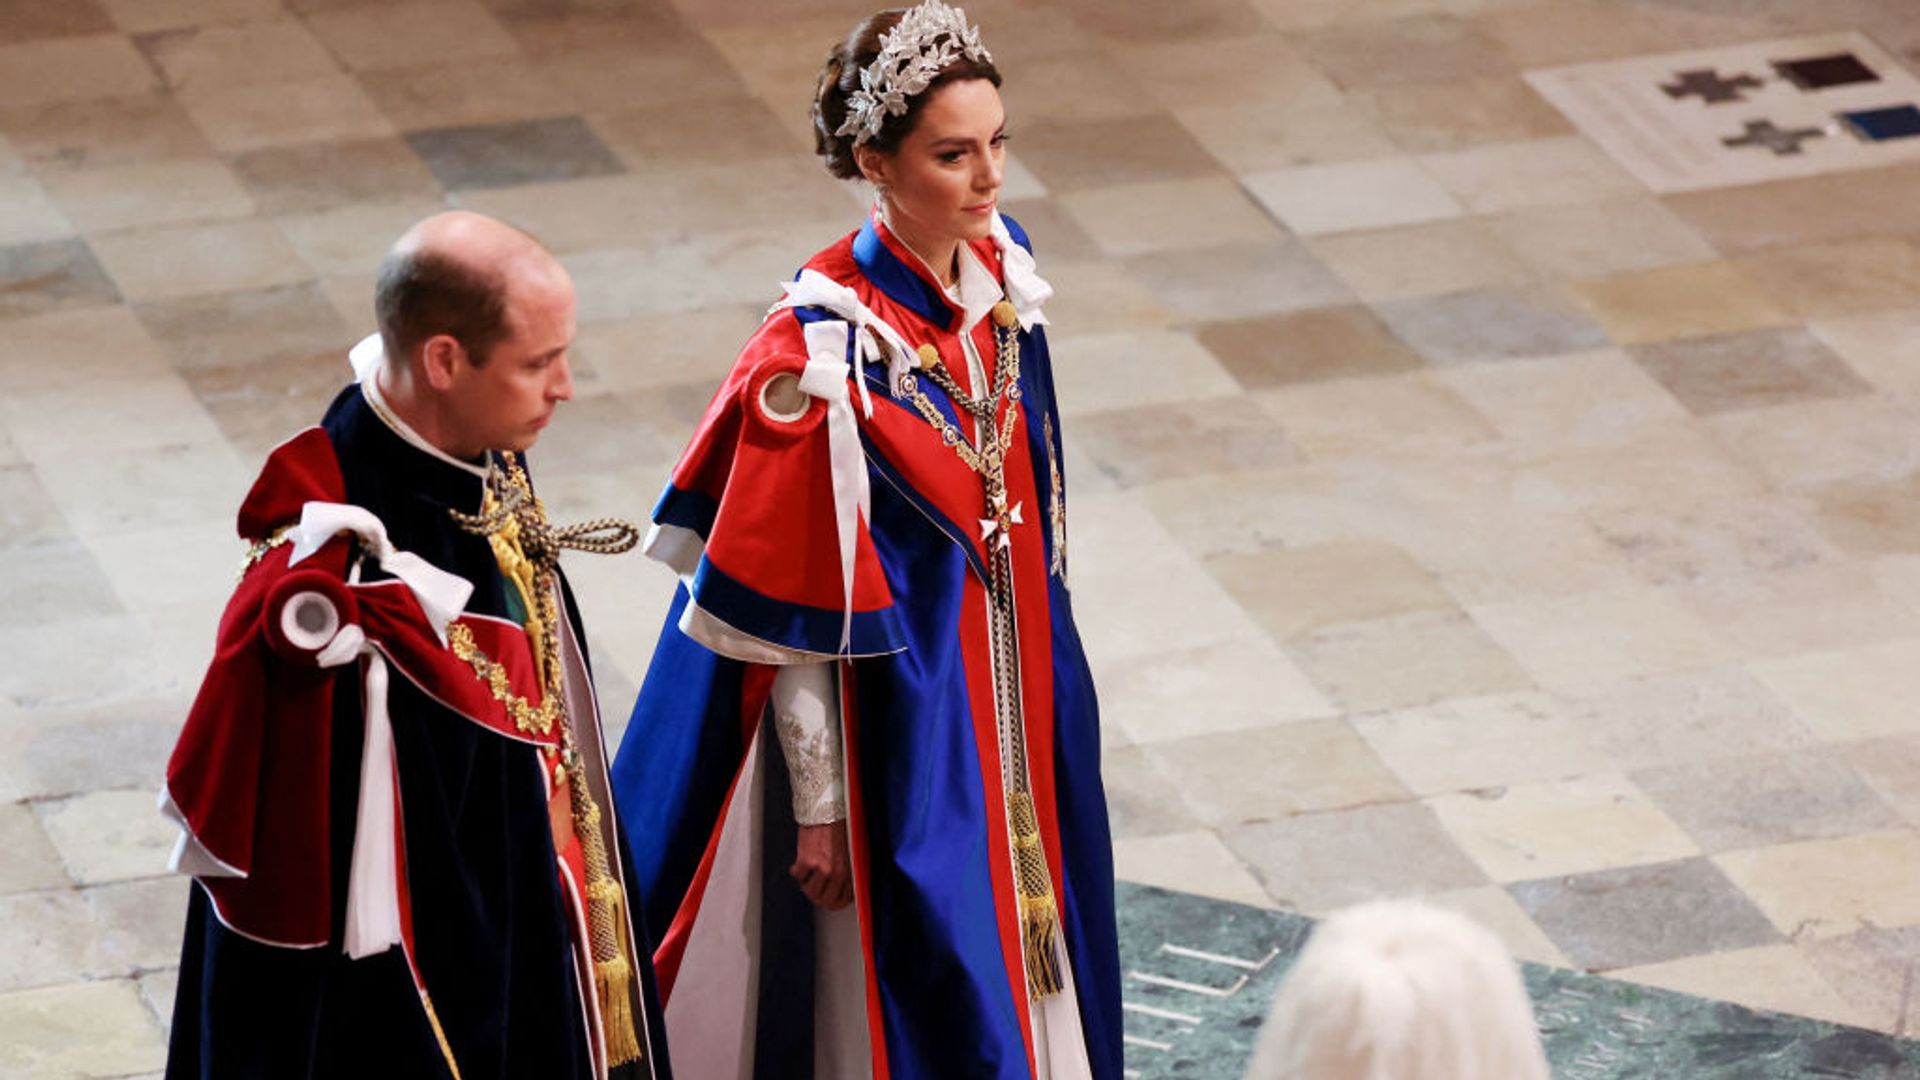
(259, 548)
(527, 718)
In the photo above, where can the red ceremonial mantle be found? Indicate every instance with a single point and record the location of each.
(250, 773)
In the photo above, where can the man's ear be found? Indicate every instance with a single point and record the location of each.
(440, 357)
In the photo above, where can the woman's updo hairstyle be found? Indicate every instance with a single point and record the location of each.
(841, 77)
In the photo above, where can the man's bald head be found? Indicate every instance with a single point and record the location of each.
(451, 274)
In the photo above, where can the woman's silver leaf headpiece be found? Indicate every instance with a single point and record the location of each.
(924, 42)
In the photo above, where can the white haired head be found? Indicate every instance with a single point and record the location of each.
(1400, 990)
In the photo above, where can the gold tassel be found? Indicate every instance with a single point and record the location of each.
(1039, 916)
(613, 977)
(1039, 929)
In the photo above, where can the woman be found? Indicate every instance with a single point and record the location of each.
(869, 529)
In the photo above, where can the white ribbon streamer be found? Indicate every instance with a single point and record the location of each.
(826, 378)
(373, 882)
(815, 289)
(1026, 289)
(442, 595)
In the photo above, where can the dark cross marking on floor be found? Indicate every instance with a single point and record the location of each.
(1174, 1022)
(1783, 142)
(1710, 86)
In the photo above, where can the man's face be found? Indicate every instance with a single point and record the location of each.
(505, 401)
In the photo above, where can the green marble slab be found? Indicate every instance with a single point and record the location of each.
(1198, 975)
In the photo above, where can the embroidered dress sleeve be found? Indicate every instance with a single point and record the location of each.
(806, 714)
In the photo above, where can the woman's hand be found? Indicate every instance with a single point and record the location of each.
(823, 866)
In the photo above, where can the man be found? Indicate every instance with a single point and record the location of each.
(391, 786)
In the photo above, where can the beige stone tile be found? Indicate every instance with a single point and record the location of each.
(182, 260)
(1733, 373)
(54, 751)
(1099, 372)
(1669, 465)
(1583, 399)
(1190, 862)
(51, 937)
(1274, 772)
(150, 193)
(1294, 591)
(314, 177)
(352, 239)
(109, 835)
(1581, 644)
(1564, 33)
(1307, 346)
(400, 35)
(1150, 443)
(1094, 293)
(1829, 888)
(1539, 172)
(1319, 862)
(1695, 716)
(147, 16)
(1454, 114)
(1493, 553)
(732, 129)
(1836, 206)
(1380, 417)
(1494, 908)
(1238, 281)
(655, 352)
(96, 1029)
(1825, 281)
(107, 131)
(1406, 660)
(1777, 978)
(623, 211)
(1421, 260)
(1816, 444)
(41, 20)
(1344, 196)
(315, 109)
(31, 860)
(1871, 517)
(680, 70)
(1250, 138)
(1813, 608)
(72, 69)
(1249, 69)
(158, 989)
(1715, 537)
(1136, 593)
(235, 54)
(1874, 970)
(199, 566)
(1231, 686)
(1589, 823)
(66, 420)
(1137, 219)
(110, 492)
(1692, 300)
(1877, 347)
(1420, 49)
(140, 921)
(1481, 743)
(1846, 694)
(1898, 576)
(82, 660)
(499, 90)
(1599, 239)
(27, 215)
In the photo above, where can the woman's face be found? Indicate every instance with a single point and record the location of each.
(943, 181)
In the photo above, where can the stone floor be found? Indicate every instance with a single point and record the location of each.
(1451, 515)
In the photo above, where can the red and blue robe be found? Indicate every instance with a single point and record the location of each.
(487, 980)
(749, 520)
